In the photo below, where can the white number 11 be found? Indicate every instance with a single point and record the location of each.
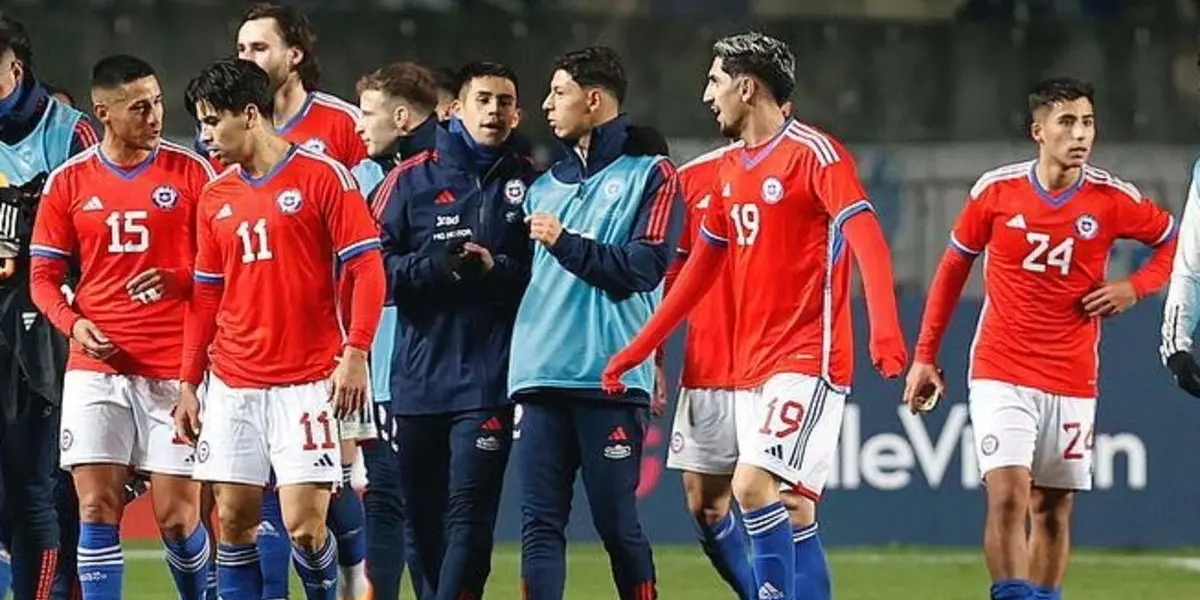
(249, 254)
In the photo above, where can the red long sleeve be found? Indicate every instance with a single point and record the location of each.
(944, 292)
(199, 329)
(181, 283)
(1157, 271)
(668, 282)
(368, 290)
(867, 241)
(46, 279)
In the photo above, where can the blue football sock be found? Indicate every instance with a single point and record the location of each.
(1046, 593)
(812, 570)
(318, 569)
(774, 556)
(210, 586)
(726, 550)
(190, 562)
(239, 573)
(274, 548)
(347, 519)
(101, 561)
(6, 575)
(1012, 589)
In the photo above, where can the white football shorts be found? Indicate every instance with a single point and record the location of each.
(1049, 434)
(247, 432)
(123, 420)
(789, 427)
(704, 437)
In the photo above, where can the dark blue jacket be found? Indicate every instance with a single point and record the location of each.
(453, 335)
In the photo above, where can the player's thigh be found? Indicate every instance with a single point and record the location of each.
(157, 449)
(302, 434)
(97, 424)
(1005, 420)
(1063, 455)
(233, 437)
(704, 434)
(790, 428)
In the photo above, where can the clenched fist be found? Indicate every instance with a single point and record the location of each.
(544, 227)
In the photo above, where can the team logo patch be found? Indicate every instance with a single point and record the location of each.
(514, 191)
(772, 190)
(289, 201)
(315, 144)
(613, 189)
(676, 442)
(989, 444)
(66, 440)
(165, 197)
(202, 452)
(1087, 227)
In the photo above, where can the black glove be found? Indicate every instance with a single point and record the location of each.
(1187, 372)
(449, 263)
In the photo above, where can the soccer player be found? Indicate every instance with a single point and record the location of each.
(398, 122)
(448, 88)
(280, 39)
(605, 219)
(268, 232)
(457, 252)
(1182, 310)
(37, 135)
(1047, 227)
(786, 209)
(124, 211)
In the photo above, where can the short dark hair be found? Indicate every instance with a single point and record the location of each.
(1049, 92)
(763, 57)
(14, 36)
(405, 80)
(231, 84)
(447, 80)
(119, 69)
(297, 32)
(595, 66)
(483, 68)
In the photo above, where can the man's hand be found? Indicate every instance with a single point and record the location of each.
(1112, 298)
(544, 228)
(94, 343)
(889, 356)
(658, 402)
(152, 285)
(484, 256)
(620, 364)
(187, 415)
(8, 267)
(1187, 372)
(923, 387)
(349, 383)
(449, 262)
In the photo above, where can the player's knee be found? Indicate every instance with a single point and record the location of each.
(239, 524)
(754, 487)
(802, 511)
(100, 505)
(308, 534)
(1051, 512)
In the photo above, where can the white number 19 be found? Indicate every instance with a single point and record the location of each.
(1043, 257)
(249, 254)
(746, 222)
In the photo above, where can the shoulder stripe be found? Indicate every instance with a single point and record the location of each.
(191, 154)
(331, 101)
(816, 141)
(345, 178)
(1004, 173)
(86, 133)
(80, 158)
(1099, 176)
(383, 193)
(709, 156)
(660, 208)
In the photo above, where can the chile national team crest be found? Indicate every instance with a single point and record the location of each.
(289, 201)
(514, 191)
(1086, 226)
(165, 197)
(772, 190)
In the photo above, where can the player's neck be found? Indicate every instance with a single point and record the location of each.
(762, 124)
(269, 150)
(1053, 176)
(584, 143)
(289, 99)
(121, 154)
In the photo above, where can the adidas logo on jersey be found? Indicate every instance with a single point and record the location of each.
(769, 592)
(1017, 222)
(225, 212)
(28, 319)
(703, 203)
(93, 204)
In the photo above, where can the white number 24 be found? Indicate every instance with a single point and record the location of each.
(1043, 257)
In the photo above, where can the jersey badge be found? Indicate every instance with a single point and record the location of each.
(613, 189)
(514, 191)
(772, 190)
(1086, 226)
(165, 197)
(289, 201)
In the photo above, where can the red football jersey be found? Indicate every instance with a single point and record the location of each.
(273, 243)
(325, 124)
(780, 210)
(117, 223)
(708, 347)
(1043, 253)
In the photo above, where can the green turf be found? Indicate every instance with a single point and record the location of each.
(860, 574)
